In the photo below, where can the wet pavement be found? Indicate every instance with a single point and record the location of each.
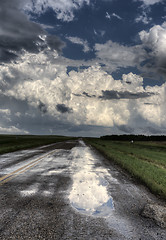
(69, 191)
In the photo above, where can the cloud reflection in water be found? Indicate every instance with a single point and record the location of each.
(89, 191)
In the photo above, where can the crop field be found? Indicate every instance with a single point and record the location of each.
(10, 143)
(145, 161)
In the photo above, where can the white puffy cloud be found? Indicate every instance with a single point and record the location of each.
(149, 56)
(66, 91)
(81, 42)
(63, 9)
(91, 97)
(154, 109)
(154, 42)
(116, 55)
(12, 130)
(38, 83)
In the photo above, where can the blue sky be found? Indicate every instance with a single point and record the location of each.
(83, 67)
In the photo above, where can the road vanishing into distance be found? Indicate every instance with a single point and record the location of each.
(69, 191)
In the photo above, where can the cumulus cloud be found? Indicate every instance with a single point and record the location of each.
(91, 97)
(81, 42)
(149, 56)
(18, 33)
(115, 55)
(63, 9)
(38, 92)
(154, 43)
(12, 130)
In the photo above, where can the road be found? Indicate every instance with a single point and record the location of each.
(69, 191)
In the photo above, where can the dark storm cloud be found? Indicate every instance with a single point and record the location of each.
(112, 94)
(86, 94)
(125, 129)
(124, 95)
(15, 105)
(150, 104)
(17, 32)
(25, 116)
(6, 55)
(55, 43)
(42, 107)
(128, 82)
(154, 66)
(63, 108)
(162, 66)
(154, 130)
(77, 95)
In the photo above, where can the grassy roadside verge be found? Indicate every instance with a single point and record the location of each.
(11, 143)
(144, 161)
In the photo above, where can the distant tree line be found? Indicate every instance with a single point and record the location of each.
(131, 137)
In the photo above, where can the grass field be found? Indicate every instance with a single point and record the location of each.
(146, 161)
(10, 143)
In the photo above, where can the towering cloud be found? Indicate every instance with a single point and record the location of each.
(154, 43)
(77, 98)
(42, 88)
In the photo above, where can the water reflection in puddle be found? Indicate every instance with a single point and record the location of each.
(32, 190)
(89, 191)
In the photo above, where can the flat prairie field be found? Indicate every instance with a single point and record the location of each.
(11, 143)
(145, 161)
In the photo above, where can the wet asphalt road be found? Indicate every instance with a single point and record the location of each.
(68, 191)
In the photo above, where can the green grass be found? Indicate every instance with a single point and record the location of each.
(146, 161)
(11, 143)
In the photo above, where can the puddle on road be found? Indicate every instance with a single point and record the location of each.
(53, 172)
(35, 189)
(9, 158)
(89, 193)
(32, 190)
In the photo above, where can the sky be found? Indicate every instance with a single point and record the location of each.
(83, 67)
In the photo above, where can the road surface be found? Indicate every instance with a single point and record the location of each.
(69, 191)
